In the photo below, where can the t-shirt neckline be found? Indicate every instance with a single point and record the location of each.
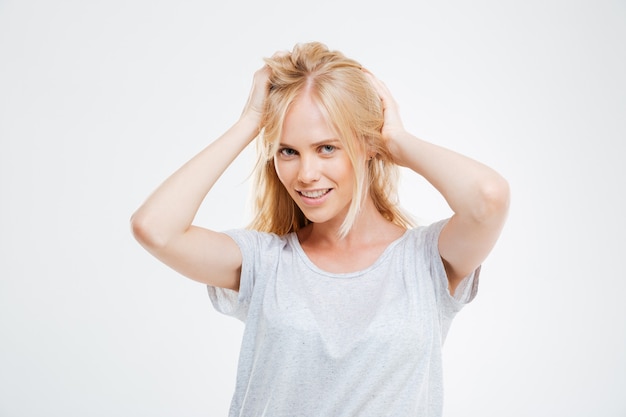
(295, 243)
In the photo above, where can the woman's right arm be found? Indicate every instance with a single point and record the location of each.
(163, 223)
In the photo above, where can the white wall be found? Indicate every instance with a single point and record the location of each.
(100, 101)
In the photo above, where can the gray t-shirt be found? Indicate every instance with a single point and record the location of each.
(320, 344)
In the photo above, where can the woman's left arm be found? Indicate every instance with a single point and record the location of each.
(478, 195)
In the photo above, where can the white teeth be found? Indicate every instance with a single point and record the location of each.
(314, 194)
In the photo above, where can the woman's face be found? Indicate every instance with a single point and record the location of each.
(312, 164)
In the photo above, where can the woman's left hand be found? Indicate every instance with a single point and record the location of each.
(392, 129)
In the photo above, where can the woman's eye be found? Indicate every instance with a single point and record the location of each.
(327, 149)
(287, 152)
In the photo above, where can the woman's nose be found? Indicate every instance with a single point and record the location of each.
(309, 170)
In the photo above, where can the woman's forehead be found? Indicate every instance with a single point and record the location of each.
(305, 120)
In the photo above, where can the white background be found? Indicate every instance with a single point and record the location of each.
(100, 101)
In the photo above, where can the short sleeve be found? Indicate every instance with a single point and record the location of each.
(467, 288)
(259, 253)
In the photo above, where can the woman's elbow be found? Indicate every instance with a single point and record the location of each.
(144, 232)
(495, 197)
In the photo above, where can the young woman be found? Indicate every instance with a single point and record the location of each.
(346, 303)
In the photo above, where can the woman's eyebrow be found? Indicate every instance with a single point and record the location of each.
(325, 142)
(314, 144)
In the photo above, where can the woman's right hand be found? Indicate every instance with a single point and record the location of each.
(255, 105)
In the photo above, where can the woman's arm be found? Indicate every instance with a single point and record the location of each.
(162, 224)
(478, 196)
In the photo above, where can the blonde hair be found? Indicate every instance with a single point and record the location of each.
(343, 93)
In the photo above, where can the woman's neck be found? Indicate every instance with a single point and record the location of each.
(370, 227)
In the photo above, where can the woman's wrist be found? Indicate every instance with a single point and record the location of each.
(399, 144)
(250, 123)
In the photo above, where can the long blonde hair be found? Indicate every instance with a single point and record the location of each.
(352, 106)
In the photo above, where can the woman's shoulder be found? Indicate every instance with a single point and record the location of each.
(425, 235)
(428, 229)
(250, 238)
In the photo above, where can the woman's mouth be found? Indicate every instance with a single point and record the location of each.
(314, 194)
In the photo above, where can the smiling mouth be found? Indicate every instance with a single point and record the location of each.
(314, 194)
